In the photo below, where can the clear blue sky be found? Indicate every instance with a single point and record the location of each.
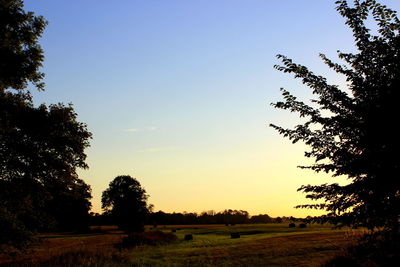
(177, 93)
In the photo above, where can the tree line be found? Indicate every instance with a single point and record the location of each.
(227, 217)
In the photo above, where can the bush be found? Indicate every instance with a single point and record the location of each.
(341, 261)
(147, 238)
(380, 248)
(13, 233)
(235, 235)
(188, 237)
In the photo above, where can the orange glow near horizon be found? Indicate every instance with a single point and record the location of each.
(259, 177)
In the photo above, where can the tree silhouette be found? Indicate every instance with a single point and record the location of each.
(40, 147)
(21, 55)
(126, 201)
(40, 151)
(352, 132)
(69, 204)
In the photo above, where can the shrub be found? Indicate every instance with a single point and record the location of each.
(147, 238)
(14, 235)
(341, 261)
(188, 237)
(235, 235)
(379, 248)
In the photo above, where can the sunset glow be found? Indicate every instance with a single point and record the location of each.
(178, 93)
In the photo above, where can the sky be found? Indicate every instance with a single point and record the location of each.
(177, 94)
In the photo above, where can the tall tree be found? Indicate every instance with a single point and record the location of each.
(40, 147)
(353, 132)
(126, 201)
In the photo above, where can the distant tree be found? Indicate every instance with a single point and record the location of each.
(353, 132)
(20, 53)
(126, 201)
(261, 218)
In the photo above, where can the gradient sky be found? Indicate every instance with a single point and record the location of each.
(177, 93)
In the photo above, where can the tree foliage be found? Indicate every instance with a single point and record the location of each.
(43, 143)
(126, 201)
(21, 55)
(352, 132)
(40, 147)
(69, 204)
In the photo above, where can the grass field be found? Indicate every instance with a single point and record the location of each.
(258, 245)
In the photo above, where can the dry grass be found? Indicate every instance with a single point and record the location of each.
(309, 249)
(259, 245)
(56, 245)
(186, 226)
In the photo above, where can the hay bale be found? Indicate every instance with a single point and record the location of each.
(188, 237)
(292, 225)
(173, 230)
(235, 235)
(302, 225)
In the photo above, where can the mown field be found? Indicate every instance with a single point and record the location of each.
(258, 245)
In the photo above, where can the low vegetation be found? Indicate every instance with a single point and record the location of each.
(147, 238)
(212, 245)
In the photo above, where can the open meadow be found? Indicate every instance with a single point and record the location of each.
(212, 245)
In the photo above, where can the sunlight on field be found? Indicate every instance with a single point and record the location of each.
(212, 245)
